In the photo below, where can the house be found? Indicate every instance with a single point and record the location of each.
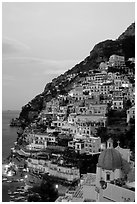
(117, 103)
(64, 171)
(116, 60)
(77, 91)
(105, 88)
(72, 118)
(125, 153)
(117, 84)
(100, 78)
(81, 130)
(63, 109)
(86, 145)
(117, 93)
(93, 120)
(37, 139)
(92, 145)
(37, 165)
(103, 66)
(37, 146)
(79, 147)
(130, 113)
(58, 170)
(97, 109)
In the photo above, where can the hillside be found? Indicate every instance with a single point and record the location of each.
(124, 45)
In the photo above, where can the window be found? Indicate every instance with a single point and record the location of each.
(108, 176)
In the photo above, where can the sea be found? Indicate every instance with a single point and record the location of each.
(9, 135)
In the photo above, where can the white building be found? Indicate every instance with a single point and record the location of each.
(117, 103)
(116, 60)
(109, 171)
(130, 113)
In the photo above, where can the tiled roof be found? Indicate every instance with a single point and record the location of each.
(79, 192)
(89, 179)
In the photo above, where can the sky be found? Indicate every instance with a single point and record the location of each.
(40, 41)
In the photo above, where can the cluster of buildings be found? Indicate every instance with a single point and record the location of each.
(108, 184)
(54, 168)
(77, 116)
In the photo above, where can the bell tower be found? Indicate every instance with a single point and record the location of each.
(109, 143)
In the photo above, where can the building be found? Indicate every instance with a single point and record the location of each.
(125, 153)
(89, 146)
(39, 141)
(130, 113)
(116, 60)
(60, 170)
(92, 145)
(97, 109)
(84, 192)
(117, 103)
(64, 171)
(94, 120)
(111, 185)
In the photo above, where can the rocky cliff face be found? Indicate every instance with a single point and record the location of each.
(130, 32)
(124, 45)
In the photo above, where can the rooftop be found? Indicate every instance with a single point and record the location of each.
(89, 179)
(79, 192)
(90, 117)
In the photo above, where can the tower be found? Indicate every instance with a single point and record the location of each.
(109, 143)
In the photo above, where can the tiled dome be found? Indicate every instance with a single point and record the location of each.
(110, 159)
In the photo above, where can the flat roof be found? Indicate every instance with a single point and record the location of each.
(92, 117)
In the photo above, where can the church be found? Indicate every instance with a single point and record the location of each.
(114, 180)
(113, 169)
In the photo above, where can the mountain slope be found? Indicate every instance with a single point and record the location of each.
(124, 45)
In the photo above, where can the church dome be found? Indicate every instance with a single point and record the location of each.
(110, 159)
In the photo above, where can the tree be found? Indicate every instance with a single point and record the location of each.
(46, 192)
(125, 167)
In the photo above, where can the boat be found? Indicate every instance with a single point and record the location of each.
(18, 189)
(19, 198)
(21, 179)
(9, 192)
(4, 179)
(21, 193)
(9, 181)
(12, 196)
(16, 192)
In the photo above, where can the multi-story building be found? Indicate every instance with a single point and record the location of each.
(92, 145)
(116, 60)
(92, 120)
(55, 169)
(87, 145)
(97, 109)
(117, 103)
(40, 138)
(64, 171)
(106, 88)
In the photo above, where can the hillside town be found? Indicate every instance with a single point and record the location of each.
(85, 139)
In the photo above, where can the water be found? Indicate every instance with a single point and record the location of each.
(9, 136)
